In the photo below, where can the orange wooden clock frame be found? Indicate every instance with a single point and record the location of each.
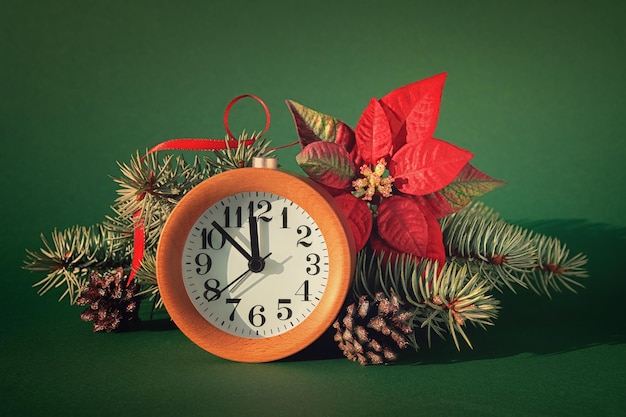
(317, 202)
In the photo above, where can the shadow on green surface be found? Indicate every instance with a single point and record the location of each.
(157, 325)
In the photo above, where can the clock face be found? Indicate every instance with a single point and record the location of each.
(255, 264)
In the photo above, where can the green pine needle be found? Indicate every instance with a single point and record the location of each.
(443, 299)
(556, 269)
(509, 255)
(502, 253)
(152, 186)
(242, 155)
(146, 277)
(71, 255)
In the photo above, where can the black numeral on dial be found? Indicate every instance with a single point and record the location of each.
(234, 217)
(203, 263)
(284, 312)
(314, 261)
(212, 292)
(304, 291)
(211, 239)
(306, 231)
(256, 317)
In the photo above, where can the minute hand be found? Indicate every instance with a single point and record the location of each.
(254, 237)
(218, 294)
(230, 239)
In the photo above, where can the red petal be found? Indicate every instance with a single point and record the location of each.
(424, 167)
(417, 104)
(396, 126)
(406, 228)
(401, 224)
(379, 247)
(436, 249)
(359, 217)
(373, 135)
(422, 121)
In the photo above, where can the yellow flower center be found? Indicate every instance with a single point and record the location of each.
(373, 181)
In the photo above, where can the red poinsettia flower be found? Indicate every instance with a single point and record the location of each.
(390, 175)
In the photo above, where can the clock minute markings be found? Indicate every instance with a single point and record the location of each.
(188, 262)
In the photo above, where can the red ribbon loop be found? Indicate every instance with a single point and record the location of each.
(236, 99)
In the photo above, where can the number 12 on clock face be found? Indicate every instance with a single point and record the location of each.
(255, 264)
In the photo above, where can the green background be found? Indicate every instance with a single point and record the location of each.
(536, 89)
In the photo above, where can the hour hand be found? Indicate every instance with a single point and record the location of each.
(232, 241)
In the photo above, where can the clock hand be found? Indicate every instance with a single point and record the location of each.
(232, 241)
(218, 294)
(255, 262)
(254, 237)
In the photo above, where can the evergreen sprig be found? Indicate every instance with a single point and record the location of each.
(147, 276)
(442, 298)
(509, 255)
(151, 186)
(555, 268)
(454, 297)
(70, 256)
(240, 156)
(484, 253)
(500, 252)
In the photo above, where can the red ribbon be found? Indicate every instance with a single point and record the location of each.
(188, 144)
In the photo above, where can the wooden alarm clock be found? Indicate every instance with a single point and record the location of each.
(254, 264)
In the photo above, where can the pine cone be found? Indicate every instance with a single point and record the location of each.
(373, 331)
(111, 303)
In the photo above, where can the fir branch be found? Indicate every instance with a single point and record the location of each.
(152, 186)
(73, 253)
(454, 297)
(153, 219)
(242, 155)
(555, 268)
(443, 299)
(146, 278)
(508, 254)
(478, 238)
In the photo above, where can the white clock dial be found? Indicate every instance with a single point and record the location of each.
(255, 264)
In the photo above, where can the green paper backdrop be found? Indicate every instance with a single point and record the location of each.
(536, 89)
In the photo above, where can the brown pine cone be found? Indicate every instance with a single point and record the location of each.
(111, 303)
(373, 331)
